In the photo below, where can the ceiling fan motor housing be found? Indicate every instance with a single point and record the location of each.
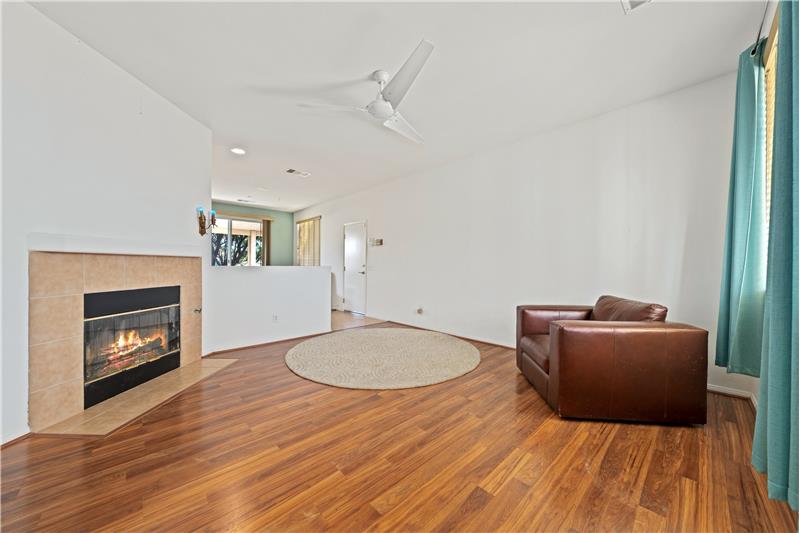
(381, 76)
(380, 108)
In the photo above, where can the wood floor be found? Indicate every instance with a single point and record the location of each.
(347, 320)
(256, 448)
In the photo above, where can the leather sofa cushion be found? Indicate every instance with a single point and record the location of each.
(612, 308)
(538, 348)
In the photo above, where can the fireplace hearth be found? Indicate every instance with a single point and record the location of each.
(130, 337)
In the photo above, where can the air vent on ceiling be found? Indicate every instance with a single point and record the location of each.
(299, 173)
(629, 5)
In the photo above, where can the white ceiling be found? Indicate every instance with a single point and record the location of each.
(499, 72)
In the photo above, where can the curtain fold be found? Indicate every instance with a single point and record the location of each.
(775, 443)
(741, 307)
(266, 242)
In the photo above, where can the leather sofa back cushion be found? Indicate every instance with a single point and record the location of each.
(611, 308)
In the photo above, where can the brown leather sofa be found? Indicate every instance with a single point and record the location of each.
(616, 360)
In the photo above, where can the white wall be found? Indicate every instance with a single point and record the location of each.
(245, 306)
(93, 160)
(630, 203)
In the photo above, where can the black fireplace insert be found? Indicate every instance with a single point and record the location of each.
(129, 337)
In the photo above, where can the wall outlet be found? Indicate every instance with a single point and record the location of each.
(274, 318)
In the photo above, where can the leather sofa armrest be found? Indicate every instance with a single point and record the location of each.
(654, 371)
(535, 320)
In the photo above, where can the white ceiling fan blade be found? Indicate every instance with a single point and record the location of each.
(401, 126)
(308, 90)
(397, 88)
(332, 107)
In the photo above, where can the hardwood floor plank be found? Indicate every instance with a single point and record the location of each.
(668, 462)
(506, 470)
(473, 505)
(426, 499)
(684, 516)
(610, 502)
(256, 448)
(562, 481)
(498, 509)
(646, 521)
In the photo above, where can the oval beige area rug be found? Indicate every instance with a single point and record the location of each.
(382, 358)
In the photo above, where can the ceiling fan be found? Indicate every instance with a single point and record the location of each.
(391, 93)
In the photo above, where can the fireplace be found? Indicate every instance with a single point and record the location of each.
(129, 337)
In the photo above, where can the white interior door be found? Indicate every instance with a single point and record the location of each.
(355, 267)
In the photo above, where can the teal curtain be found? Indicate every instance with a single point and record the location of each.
(775, 444)
(741, 306)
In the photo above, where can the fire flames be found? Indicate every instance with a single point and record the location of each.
(131, 347)
(131, 341)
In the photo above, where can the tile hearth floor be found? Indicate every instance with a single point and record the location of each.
(105, 417)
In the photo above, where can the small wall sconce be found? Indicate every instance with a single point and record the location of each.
(201, 220)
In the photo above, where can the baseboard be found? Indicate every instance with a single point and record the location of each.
(260, 344)
(734, 392)
(457, 335)
(15, 440)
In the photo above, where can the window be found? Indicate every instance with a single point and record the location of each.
(240, 242)
(770, 68)
(307, 252)
(219, 242)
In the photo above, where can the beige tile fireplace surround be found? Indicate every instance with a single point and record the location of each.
(57, 283)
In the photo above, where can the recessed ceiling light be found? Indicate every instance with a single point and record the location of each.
(238, 150)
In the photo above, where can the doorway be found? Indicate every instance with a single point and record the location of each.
(346, 320)
(355, 268)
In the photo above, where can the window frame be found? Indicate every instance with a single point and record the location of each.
(769, 57)
(317, 241)
(266, 238)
